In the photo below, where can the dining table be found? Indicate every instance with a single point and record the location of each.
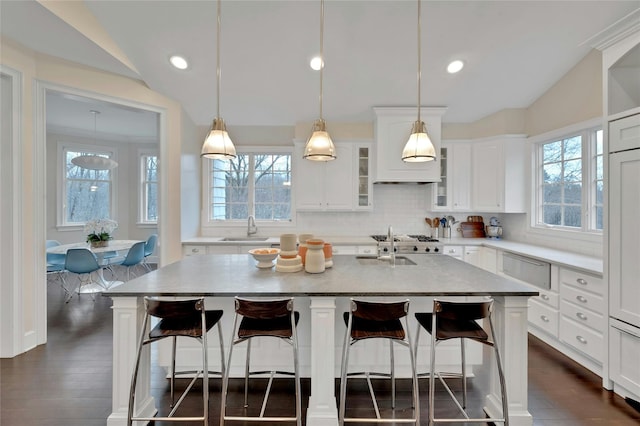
(321, 298)
(118, 247)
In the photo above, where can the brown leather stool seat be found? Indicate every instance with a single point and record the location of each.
(263, 318)
(458, 320)
(178, 318)
(377, 320)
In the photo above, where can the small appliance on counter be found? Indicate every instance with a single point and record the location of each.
(494, 230)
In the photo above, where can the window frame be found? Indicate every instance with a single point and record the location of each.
(206, 190)
(587, 230)
(142, 201)
(61, 199)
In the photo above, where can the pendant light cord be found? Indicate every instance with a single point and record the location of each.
(419, 59)
(321, 51)
(218, 73)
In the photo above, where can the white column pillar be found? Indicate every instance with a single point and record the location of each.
(322, 409)
(511, 324)
(128, 313)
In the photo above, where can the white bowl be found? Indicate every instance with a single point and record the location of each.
(264, 256)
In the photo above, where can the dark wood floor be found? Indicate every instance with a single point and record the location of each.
(67, 382)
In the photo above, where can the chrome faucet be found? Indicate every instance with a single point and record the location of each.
(251, 226)
(391, 257)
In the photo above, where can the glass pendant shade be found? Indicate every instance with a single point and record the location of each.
(218, 145)
(94, 162)
(419, 147)
(319, 147)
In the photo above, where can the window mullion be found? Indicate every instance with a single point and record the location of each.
(251, 195)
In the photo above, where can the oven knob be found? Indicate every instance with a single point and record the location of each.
(427, 249)
(436, 249)
(385, 249)
(415, 248)
(395, 249)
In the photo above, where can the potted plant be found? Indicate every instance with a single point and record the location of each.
(99, 231)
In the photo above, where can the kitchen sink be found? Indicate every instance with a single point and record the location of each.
(245, 239)
(368, 260)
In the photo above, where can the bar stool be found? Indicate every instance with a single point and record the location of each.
(458, 320)
(377, 320)
(263, 318)
(183, 318)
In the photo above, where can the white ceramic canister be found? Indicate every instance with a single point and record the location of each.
(288, 243)
(314, 262)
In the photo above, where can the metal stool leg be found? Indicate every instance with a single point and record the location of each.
(393, 375)
(464, 374)
(246, 374)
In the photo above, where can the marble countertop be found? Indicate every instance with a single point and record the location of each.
(559, 257)
(231, 275)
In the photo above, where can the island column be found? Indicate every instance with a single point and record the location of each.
(322, 409)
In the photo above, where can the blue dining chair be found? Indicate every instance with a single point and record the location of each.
(149, 248)
(83, 262)
(134, 257)
(55, 268)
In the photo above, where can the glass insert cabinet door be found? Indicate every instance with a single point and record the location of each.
(442, 191)
(365, 201)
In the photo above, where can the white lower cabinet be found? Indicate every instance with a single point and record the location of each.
(454, 251)
(624, 365)
(193, 250)
(544, 317)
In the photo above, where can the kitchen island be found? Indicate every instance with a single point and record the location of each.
(225, 276)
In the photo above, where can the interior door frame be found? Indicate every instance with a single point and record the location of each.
(40, 227)
(11, 250)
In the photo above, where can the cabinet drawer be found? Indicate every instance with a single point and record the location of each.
(550, 298)
(582, 280)
(585, 317)
(368, 250)
(582, 338)
(345, 250)
(192, 250)
(455, 251)
(581, 298)
(543, 317)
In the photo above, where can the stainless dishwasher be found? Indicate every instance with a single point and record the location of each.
(532, 271)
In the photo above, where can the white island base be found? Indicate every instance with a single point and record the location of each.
(321, 331)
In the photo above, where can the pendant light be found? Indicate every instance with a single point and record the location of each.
(218, 145)
(419, 147)
(94, 162)
(320, 147)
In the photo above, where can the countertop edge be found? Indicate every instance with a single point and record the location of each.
(582, 262)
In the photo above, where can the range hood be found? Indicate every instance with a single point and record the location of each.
(392, 129)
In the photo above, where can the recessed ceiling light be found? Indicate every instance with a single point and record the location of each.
(316, 63)
(455, 66)
(179, 62)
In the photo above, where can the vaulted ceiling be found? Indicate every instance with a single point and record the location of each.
(513, 51)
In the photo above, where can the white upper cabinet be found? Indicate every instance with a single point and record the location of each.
(498, 175)
(338, 185)
(392, 129)
(453, 192)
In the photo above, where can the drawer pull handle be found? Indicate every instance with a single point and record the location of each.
(582, 281)
(194, 250)
(544, 297)
(581, 340)
(544, 318)
(582, 316)
(581, 299)
(367, 251)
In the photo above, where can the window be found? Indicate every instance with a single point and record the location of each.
(570, 181)
(148, 188)
(87, 194)
(254, 183)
